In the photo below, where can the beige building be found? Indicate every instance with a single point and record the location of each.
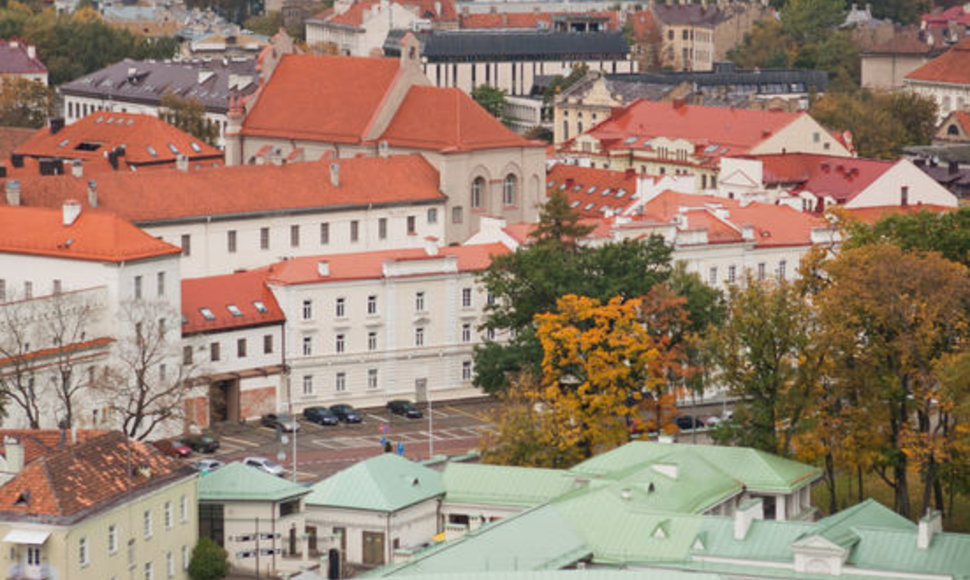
(687, 35)
(103, 508)
(885, 64)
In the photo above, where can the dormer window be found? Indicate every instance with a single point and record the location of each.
(207, 314)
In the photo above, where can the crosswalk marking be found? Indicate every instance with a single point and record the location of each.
(242, 442)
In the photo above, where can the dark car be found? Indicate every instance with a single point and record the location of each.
(201, 443)
(283, 422)
(405, 408)
(688, 422)
(346, 413)
(173, 448)
(320, 415)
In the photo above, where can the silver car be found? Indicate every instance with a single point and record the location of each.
(265, 465)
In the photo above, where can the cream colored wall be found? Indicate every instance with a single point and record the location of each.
(459, 74)
(948, 98)
(880, 71)
(61, 550)
(240, 519)
(887, 189)
(803, 135)
(699, 45)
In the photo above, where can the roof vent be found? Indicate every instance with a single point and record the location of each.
(323, 268)
(12, 189)
(335, 174)
(626, 494)
(93, 193)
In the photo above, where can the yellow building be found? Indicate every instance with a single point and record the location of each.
(98, 508)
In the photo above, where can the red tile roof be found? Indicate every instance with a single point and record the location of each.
(445, 119)
(323, 98)
(10, 139)
(370, 265)
(15, 59)
(95, 235)
(426, 9)
(592, 191)
(146, 140)
(242, 291)
(172, 194)
(527, 19)
(81, 479)
(39, 442)
(841, 178)
(871, 215)
(733, 131)
(955, 14)
(643, 24)
(962, 118)
(953, 66)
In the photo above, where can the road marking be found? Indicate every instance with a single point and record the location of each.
(438, 413)
(245, 443)
(467, 414)
(378, 417)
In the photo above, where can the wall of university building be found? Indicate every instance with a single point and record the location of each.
(514, 77)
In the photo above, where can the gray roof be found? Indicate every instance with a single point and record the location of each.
(683, 14)
(491, 45)
(146, 81)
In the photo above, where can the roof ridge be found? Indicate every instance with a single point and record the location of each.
(44, 466)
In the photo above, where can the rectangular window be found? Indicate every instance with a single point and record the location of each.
(161, 372)
(782, 267)
(149, 573)
(456, 215)
(371, 378)
(147, 521)
(295, 236)
(419, 336)
(412, 224)
(160, 283)
(169, 565)
(82, 551)
(186, 245)
(382, 228)
(354, 230)
(241, 348)
(267, 344)
(185, 557)
(904, 195)
(231, 241)
(183, 509)
(324, 234)
(307, 309)
(466, 297)
(433, 215)
(186, 355)
(340, 343)
(33, 555)
(466, 332)
(490, 334)
(263, 238)
(214, 351)
(712, 276)
(137, 288)
(307, 345)
(761, 271)
(341, 382)
(28, 290)
(340, 310)
(112, 539)
(3, 290)
(466, 370)
(732, 272)
(56, 286)
(372, 304)
(372, 340)
(419, 301)
(169, 516)
(307, 384)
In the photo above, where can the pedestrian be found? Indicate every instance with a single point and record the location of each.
(400, 448)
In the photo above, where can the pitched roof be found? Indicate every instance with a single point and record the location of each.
(145, 139)
(94, 235)
(458, 123)
(236, 300)
(171, 195)
(239, 482)
(39, 442)
(384, 483)
(16, 60)
(841, 178)
(372, 265)
(687, 14)
(328, 98)
(536, 20)
(440, 11)
(951, 67)
(871, 215)
(592, 191)
(504, 485)
(735, 131)
(486, 45)
(11, 138)
(75, 481)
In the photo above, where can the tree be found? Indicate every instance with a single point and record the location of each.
(68, 319)
(189, 116)
(901, 11)
(17, 379)
(266, 24)
(811, 21)
(766, 46)
(560, 83)
(24, 103)
(925, 231)
(491, 99)
(209, 561)
(881, 123)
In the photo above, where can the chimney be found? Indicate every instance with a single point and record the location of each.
(747, 512)
(93, 193)
(14, 452)
(953, 168)
(679, 103)
(747, 232)
(12, 188)
(71, 210)
(77, 168)
(437, 8)
(31, 51)
(382, 149)
(56, 124)
(323, 269)
(431, 246)
(929, 525)
(182, 162)
(335, 174)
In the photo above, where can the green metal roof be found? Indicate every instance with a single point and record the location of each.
(766, 540)
(237, 482)
(503, 485)
(839, 528)
(384, 483)
(896, 551)
(587, 574)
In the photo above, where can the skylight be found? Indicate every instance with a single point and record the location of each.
(207, 314)
(606, 192)
(577, 187)
(550, 185)
(630, 140)
(575, 204)
(589, 206)
(151, 151)
(195, 147)
(591, 190)
(63, 143)
(260, 307)
(99, 119)
(711, 148)
(173, 148)
(621, 192)
(233, 309)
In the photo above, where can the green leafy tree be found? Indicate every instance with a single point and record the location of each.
(766, 46)
(811, 21)
(189, 116)
(881, 123)
(491, 99)
(267, 24)
(209, 561)
(947, 233)
(560, 83)
(24, 103)
(901, 11)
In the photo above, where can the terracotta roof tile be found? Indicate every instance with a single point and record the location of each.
(80, 479)
(591, 190)
(94, 235)
(324, 98)
(955, 14)
(147, 140)
(246, 292)
(527, 19)
(953, 66)
(425, 9)
(10, 139)
(39, 442)
(841, 178)
(871, 215)
(172, 195)
(15, 60)
(370, 265)
(458, 123)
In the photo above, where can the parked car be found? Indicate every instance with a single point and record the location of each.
(207, 464)
(320, 416)
(346, 413)
(405, 408)
(201, 443)
(688, 422)
(284, 422)
(715, 420)
(265, 465)
(173, 448)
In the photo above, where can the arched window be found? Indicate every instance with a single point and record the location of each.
(952, 130)
(478, 190)
(509, 187)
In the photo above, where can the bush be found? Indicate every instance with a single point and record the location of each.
(209, 561)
